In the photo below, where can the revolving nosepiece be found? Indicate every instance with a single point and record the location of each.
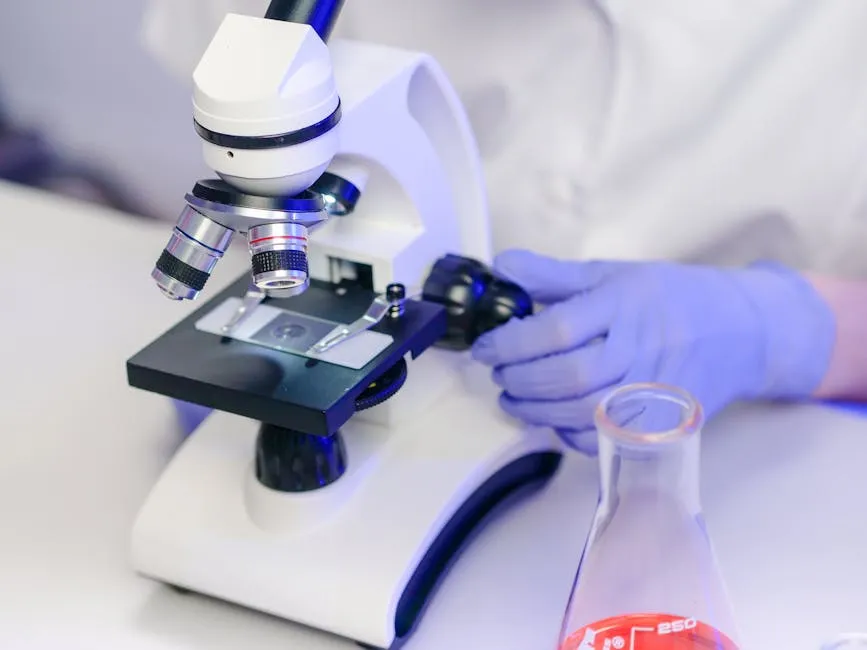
(339, 194)
(196, 245)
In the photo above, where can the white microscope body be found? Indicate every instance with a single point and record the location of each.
(357, 558)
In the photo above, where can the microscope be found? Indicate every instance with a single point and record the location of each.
(354, 447)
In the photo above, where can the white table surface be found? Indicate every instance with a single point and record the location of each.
(785, 489)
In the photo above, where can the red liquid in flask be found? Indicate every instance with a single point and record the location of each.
(648, 549)
(648, 632)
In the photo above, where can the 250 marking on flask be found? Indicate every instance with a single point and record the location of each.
(648, 632)
(680, 625)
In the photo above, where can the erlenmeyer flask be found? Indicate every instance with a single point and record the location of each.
(648, 578)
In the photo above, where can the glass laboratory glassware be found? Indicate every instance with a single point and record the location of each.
(648, 578)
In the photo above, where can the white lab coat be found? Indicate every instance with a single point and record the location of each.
(698, 130)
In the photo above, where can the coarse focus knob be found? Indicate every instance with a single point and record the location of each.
(476, 301)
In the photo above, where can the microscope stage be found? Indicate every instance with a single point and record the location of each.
(274, 386)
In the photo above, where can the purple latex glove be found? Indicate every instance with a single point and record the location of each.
(723, 334)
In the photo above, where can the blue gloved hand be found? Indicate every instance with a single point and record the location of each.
(722, 334)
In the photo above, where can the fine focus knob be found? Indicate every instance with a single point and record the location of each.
(476, 301)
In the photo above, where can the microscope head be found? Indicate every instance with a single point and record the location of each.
(265, 105)
(266, 108)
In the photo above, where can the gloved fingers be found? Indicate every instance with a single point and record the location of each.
(566, 375)
(558, 328)
(585, 441)
(549, 280)
(573, 414)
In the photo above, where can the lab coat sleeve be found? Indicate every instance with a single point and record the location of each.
(846, 378)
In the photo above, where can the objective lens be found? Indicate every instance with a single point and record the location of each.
(196, 245)
(279, 251)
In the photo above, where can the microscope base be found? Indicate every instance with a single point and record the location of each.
(357, 558)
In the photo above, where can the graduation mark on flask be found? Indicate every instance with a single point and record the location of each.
(648, 632)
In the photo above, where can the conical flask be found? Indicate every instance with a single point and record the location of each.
(648, 578)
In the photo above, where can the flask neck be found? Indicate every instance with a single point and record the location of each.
(649, 446)
(664, 469)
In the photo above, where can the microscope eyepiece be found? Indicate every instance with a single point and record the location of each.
(196, 245)
(279, 255)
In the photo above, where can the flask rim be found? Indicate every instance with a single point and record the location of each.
(691, 419)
